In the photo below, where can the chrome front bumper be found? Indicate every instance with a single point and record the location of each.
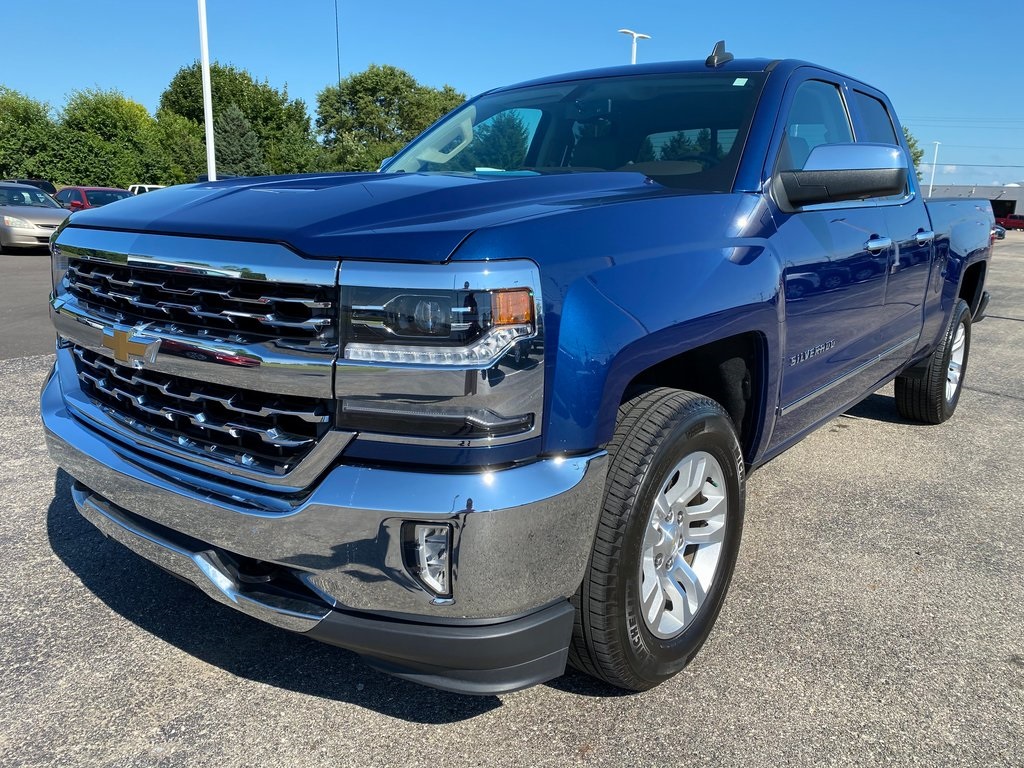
(522, 535)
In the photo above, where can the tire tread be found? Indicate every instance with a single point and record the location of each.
(643, 423)
(922, 396)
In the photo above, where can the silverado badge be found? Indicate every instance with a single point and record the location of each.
(129, 346)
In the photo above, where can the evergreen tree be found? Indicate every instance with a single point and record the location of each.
(646, 153)
(500, 142)
(281, 124)
(678, 147)
(236, 144)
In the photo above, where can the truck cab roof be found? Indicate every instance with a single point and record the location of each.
(781, 66)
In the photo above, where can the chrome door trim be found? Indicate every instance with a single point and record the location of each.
(787, 409)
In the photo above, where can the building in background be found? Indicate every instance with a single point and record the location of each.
(1005, 200)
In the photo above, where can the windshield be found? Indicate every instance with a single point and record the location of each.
(98, 197)
(28, 197)
(684, 130)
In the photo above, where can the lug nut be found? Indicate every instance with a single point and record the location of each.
(658, 560)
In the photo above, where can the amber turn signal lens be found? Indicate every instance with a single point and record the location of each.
(512, 307)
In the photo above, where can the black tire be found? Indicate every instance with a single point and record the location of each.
(655, 430)
(921, 392)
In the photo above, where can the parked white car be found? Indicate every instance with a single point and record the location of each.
(138, 189)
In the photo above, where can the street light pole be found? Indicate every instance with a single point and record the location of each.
(204, 52)
(935, 162)
(636, 36)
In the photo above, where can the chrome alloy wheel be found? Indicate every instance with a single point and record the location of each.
(956, 362)
(683, 544)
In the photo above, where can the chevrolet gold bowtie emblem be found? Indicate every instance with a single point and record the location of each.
(130, 347)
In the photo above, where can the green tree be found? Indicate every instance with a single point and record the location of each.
(294, 151)
(236, 144)
(105, 138)
(678, 147)
(500, 142)
(181, 146)
(646, 153)
(373, 114)
(281, 124)
(28, 135)
(916, 153)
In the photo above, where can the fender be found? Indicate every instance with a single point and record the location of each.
(959, 245)
(664, 320)
(626, 286)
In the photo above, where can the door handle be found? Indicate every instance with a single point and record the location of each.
(878, 244)
(923, 238)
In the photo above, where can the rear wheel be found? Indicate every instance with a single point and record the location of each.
(666, 543)
(931, 394)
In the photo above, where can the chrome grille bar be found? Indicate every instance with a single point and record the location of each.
(313, 415)
(215, 421)
(300, 311)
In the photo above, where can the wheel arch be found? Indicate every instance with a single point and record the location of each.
(972, 284)
(732, 370)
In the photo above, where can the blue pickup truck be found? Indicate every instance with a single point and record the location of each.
(491, 410)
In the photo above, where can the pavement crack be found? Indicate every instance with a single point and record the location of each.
(993, 392)
(1003, 317)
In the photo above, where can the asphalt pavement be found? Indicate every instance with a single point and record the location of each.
(24, 285)
(876, 616)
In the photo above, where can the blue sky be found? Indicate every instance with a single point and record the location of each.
(951, 69)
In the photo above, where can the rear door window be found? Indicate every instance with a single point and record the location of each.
(876, 125)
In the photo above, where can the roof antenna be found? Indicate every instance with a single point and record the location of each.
(719, 55)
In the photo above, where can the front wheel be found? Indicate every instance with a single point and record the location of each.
(931, 394)
(666, 543)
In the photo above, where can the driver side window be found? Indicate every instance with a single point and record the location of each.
(817, 116)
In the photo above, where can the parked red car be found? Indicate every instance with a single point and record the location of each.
(77, 198)
(1013, 221)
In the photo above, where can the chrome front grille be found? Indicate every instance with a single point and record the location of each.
(248, 305)
(266, 433)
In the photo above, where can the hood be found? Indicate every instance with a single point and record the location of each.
(35, 215)
(400, 217)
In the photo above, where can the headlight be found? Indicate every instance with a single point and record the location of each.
(16, 223)
(446, 354)
(471, 326)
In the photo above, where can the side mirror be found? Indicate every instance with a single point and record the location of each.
(73, 205)
(837, 172)
(384, 162)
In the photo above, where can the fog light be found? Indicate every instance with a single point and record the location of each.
(428, 549)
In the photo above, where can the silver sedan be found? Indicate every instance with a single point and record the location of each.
(28, 216)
